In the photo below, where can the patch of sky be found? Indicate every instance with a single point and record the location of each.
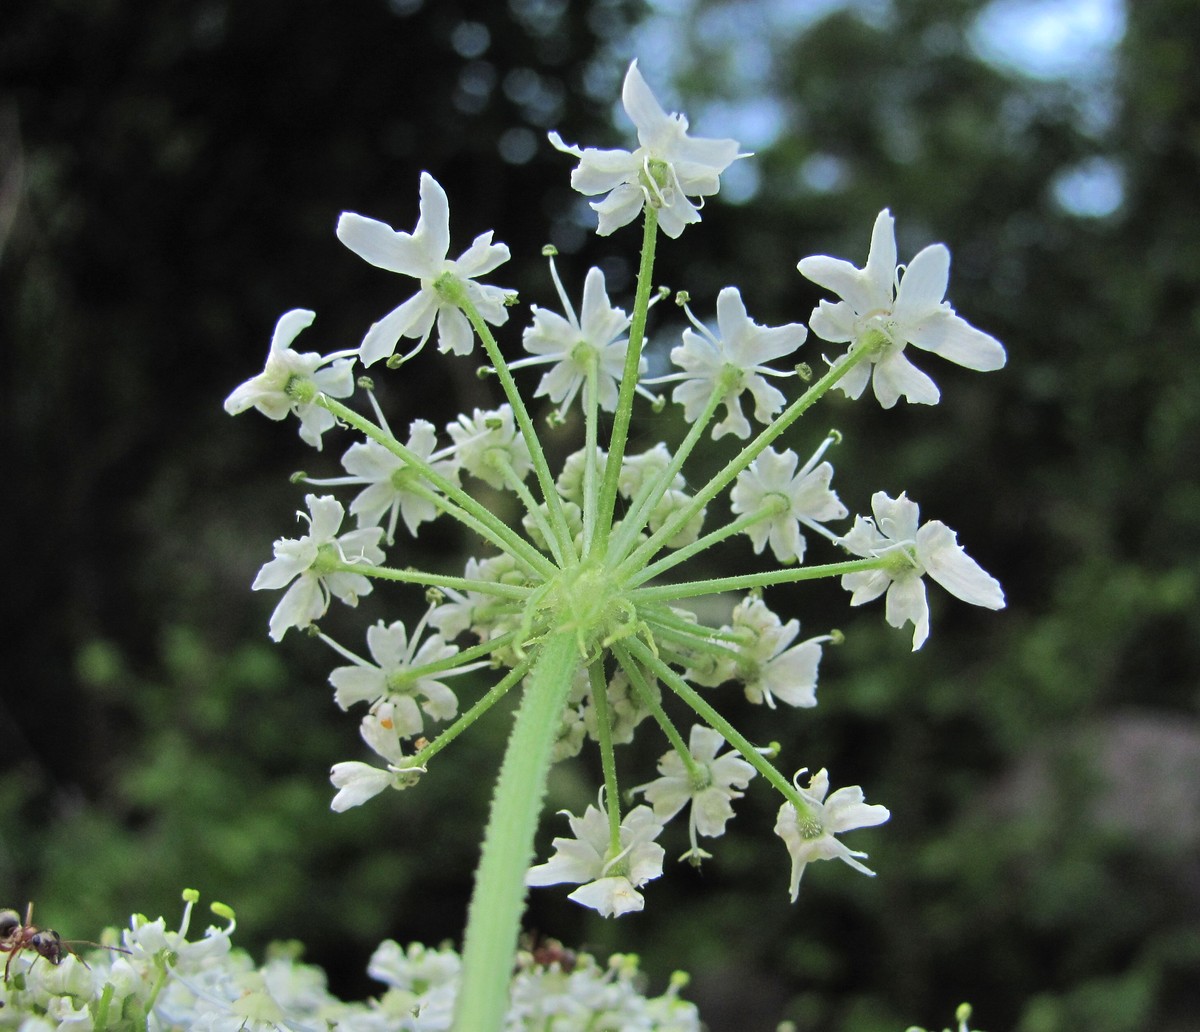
(1050, 39)
(1092, 189)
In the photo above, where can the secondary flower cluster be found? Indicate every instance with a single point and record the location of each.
(159, 979)
(595, 552)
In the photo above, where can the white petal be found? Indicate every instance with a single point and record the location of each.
(641, 106)
(840, 276)
(619, 208)
(411, 319)
(611, 897)
(952, 337)
(289, 326)
(895, 376)
(880, 270)
(835, 323)
(906, 604)
(481, 257)
(357, 684)
(923, 284)
(600, 171)
(356, 782)
(327, 516)
(896, 517)
(941, 554)
(732, 318)
(454, 332)
(866, 586)
(433, 227)
(280, 570)
(301, 605)
(385, 248)
(855, 381)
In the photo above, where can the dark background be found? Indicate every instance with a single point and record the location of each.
(170, 176)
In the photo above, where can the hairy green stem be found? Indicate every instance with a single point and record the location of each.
(483, 521)
(714, 720)
(494, 917)
(454, 290)
(715, 585)
(629, 379)
(743, 458)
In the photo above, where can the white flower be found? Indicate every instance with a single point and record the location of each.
(932, 548)
(395, 678)
(300, 559)
(667, 168)
(608, 883)
(422, 255)
(390, 480)
(357, 782)
(734, 362)
(879, 307)
(762, 661)
(803, 497)
(268, 391)
(150, 941)
(413, 966)
(487, 442)
(812, 838)
(710, 793)
(578, 344)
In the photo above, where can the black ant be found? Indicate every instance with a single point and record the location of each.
(16, 936)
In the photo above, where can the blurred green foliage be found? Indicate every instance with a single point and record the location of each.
(174, 172)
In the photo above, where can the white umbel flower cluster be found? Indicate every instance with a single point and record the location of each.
(160, 980)
(580, 600)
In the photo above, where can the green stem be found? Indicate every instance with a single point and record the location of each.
(483, 521)
(653, 491)
(608, 759)
(516, 592)
(642, 687)
(701, 544)
(715, 585)
(746, 456)
(531, 506)
(452, 289)
(714, 720)
(591, 429)
(482, 705)
(494, 917)
(629, 379)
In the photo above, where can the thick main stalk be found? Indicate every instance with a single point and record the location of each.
(494, 918)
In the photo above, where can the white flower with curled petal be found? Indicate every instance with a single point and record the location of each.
(302, 559)
(812, 838)
(771, 484)
(422, 255)
(667, 169)
(732, 362)
(608, 883)
(884, 310)
(268, 391)
(357, 782)
(710, 792)
(929, 549)
(578, 345)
